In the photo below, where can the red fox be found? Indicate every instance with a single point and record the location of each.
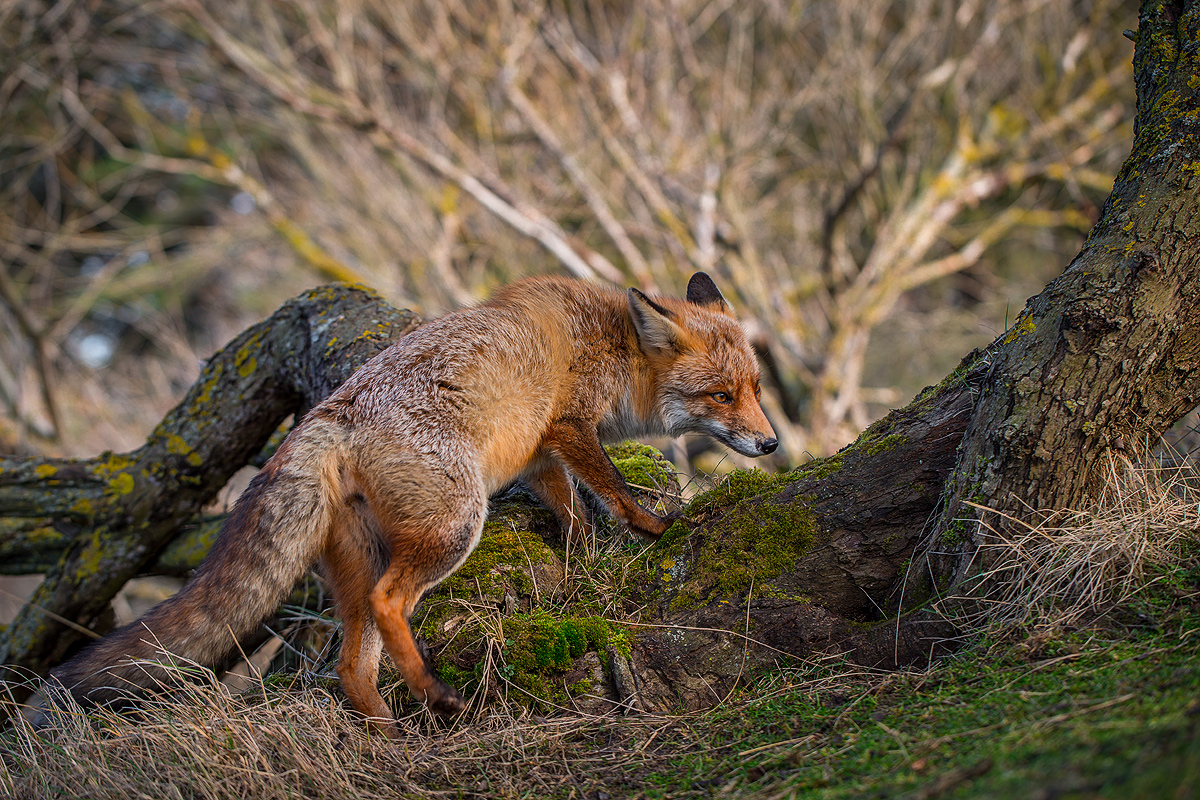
(386, 482)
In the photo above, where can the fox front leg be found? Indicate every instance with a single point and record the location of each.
(578, 445)
(550, 483)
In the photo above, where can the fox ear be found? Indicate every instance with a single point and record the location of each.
(657, 332)
(702, 291)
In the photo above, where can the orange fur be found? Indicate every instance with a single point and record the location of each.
(386, 481)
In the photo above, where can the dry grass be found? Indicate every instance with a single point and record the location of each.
(293, 736)
(299, 740)
(1069, 566)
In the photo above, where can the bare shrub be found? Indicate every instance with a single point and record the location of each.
(833, 163)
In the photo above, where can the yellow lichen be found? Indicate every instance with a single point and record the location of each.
(92, 555)
(112, 464)
(244, 360)
(1026, 325)
(44, 471)
(43, 535)
(121, 484)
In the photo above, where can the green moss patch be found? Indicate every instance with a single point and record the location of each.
(733, 488)
(503, 553)
(820, 468)
(538, 643)
(886, 443)
(642, 466)
(507, 561)
(755, 542)
(539, 648)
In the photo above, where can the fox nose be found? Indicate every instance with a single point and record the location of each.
(768, 445)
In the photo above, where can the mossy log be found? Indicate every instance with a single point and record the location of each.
(840, 556)
(107, 519)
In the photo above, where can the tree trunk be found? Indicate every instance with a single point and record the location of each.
(764, 569)
(1109, 351)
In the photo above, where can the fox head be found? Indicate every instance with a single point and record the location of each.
(705, 373)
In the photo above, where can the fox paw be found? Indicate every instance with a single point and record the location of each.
(653, 527)
(445, 700)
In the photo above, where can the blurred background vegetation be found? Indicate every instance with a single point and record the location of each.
(876, 186)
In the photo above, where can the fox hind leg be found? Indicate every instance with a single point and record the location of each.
(427, 544)
(354, 560)
(392, 603)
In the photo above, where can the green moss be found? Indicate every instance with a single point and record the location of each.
(456, 676)
(538, 647)
(733, 488)
(641, 465)
(957, 378)
(539, 643)
(956, 532)
(886, 443)
(819, 468)
(750, 542)
(501, 560)
(755, 542)
(499, 546)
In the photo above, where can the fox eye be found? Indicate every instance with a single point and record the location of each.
(758, 391)
(721, 397)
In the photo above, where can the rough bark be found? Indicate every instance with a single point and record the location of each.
(765, 569)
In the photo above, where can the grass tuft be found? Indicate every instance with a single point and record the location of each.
(1069, 566)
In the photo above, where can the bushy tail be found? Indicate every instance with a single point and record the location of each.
(271, 538)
